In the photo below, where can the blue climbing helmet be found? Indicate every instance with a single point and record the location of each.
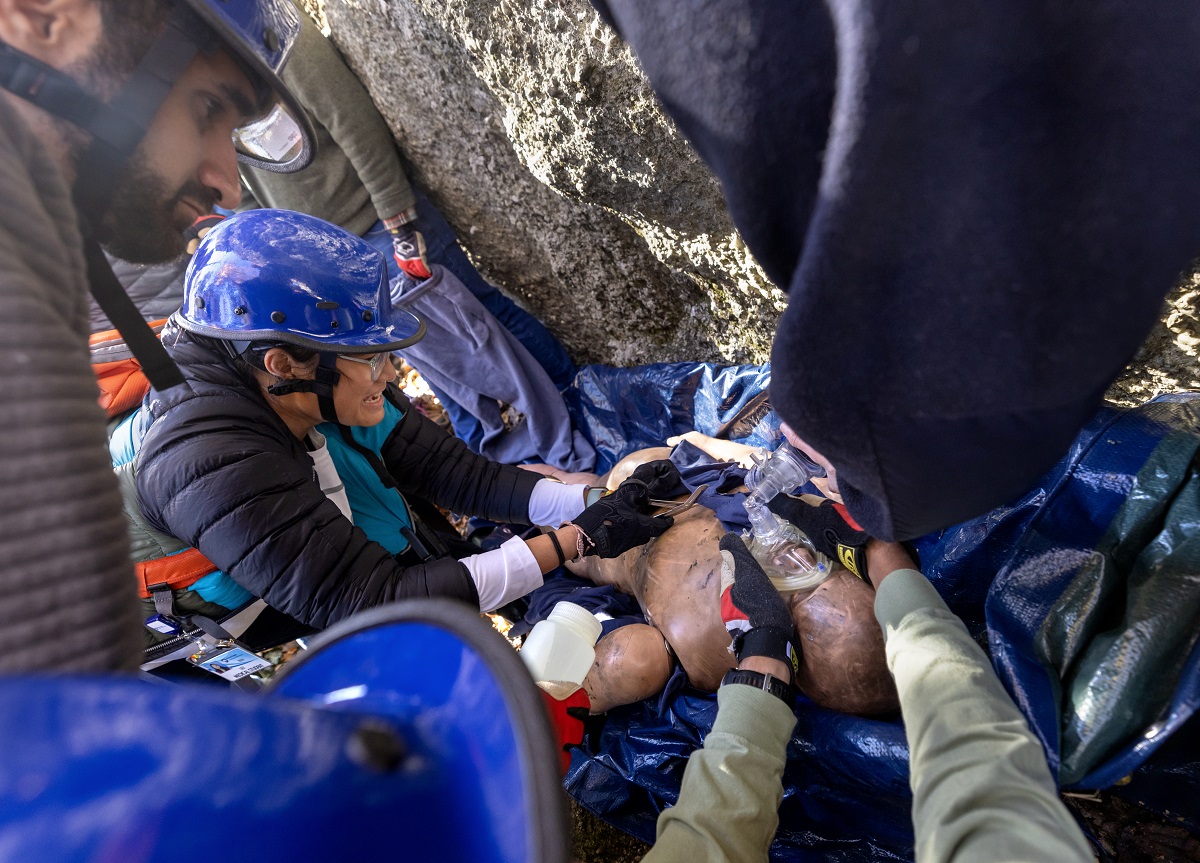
(277, 276)
(280, 276)
(258, 34)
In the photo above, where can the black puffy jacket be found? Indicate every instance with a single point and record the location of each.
(219, 469)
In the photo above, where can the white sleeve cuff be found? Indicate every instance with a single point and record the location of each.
(503, 574)
(553, 503)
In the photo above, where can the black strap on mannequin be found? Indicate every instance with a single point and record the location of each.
(156, 363)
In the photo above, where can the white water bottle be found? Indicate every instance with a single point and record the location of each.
(560, 650)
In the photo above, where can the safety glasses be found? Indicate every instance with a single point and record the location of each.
(378, 362)
(277, 141)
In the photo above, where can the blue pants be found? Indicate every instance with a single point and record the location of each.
(441, 247)
(468, 354)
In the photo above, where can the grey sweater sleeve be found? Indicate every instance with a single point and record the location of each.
(982, 791)
(67, 598)
(335, 97)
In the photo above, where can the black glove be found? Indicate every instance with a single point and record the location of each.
(830, 528)
(618, 522)
(752, 608)
(661, 477)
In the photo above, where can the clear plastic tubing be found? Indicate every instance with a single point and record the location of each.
(559, 651)
(785, 469)
(784, 551)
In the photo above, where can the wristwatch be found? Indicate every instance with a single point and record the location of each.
(785, 692)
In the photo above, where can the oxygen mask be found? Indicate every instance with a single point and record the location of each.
(782, 549)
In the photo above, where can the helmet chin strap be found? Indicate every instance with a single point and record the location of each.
(327, 377)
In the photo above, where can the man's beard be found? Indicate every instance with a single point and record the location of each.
(139, 224)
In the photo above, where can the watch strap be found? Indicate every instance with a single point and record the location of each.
(785, 692)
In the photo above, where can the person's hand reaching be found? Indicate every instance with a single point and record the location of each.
(753, 610)
(619, 521)
(661, 477)
(408, 246)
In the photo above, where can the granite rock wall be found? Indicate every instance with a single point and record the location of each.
(529, 124)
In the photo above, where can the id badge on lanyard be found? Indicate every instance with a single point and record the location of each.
(226, 658)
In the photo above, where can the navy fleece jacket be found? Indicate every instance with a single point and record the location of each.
(976, 209)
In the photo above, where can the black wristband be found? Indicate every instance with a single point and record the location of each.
(562, 558)
(768, 641)
(781, 689)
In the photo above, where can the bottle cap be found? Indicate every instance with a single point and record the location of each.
(578, 618)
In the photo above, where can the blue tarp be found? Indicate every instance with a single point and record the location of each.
(846, 785)
(624, 410)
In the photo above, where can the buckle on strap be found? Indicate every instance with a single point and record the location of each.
(164, 598)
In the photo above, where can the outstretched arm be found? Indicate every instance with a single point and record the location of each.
(982, 790)
(728, 805)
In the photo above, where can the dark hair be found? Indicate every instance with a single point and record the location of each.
(297, 353)
(250, 361)
(129, 28)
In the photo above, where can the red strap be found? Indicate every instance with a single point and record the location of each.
(845, 513)
(568, 731)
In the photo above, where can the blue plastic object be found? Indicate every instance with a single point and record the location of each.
(289, 277)
(415, 734)
(463, 702)
(104, 768)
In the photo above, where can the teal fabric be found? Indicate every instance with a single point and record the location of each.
(219, 588)
(122, 445)
(380, 511)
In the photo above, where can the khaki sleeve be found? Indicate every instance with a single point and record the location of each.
(728, 806)
(982, 791)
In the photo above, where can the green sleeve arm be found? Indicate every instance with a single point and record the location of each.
(323, 83)
(982, 790)
(728, 805)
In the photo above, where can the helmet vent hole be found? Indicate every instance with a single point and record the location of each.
(271, 40)
(333, 325)
(327, 304)
(239, 311)
(368, 316)
(278, 317)
(199, 302)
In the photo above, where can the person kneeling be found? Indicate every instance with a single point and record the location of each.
(290, 468)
